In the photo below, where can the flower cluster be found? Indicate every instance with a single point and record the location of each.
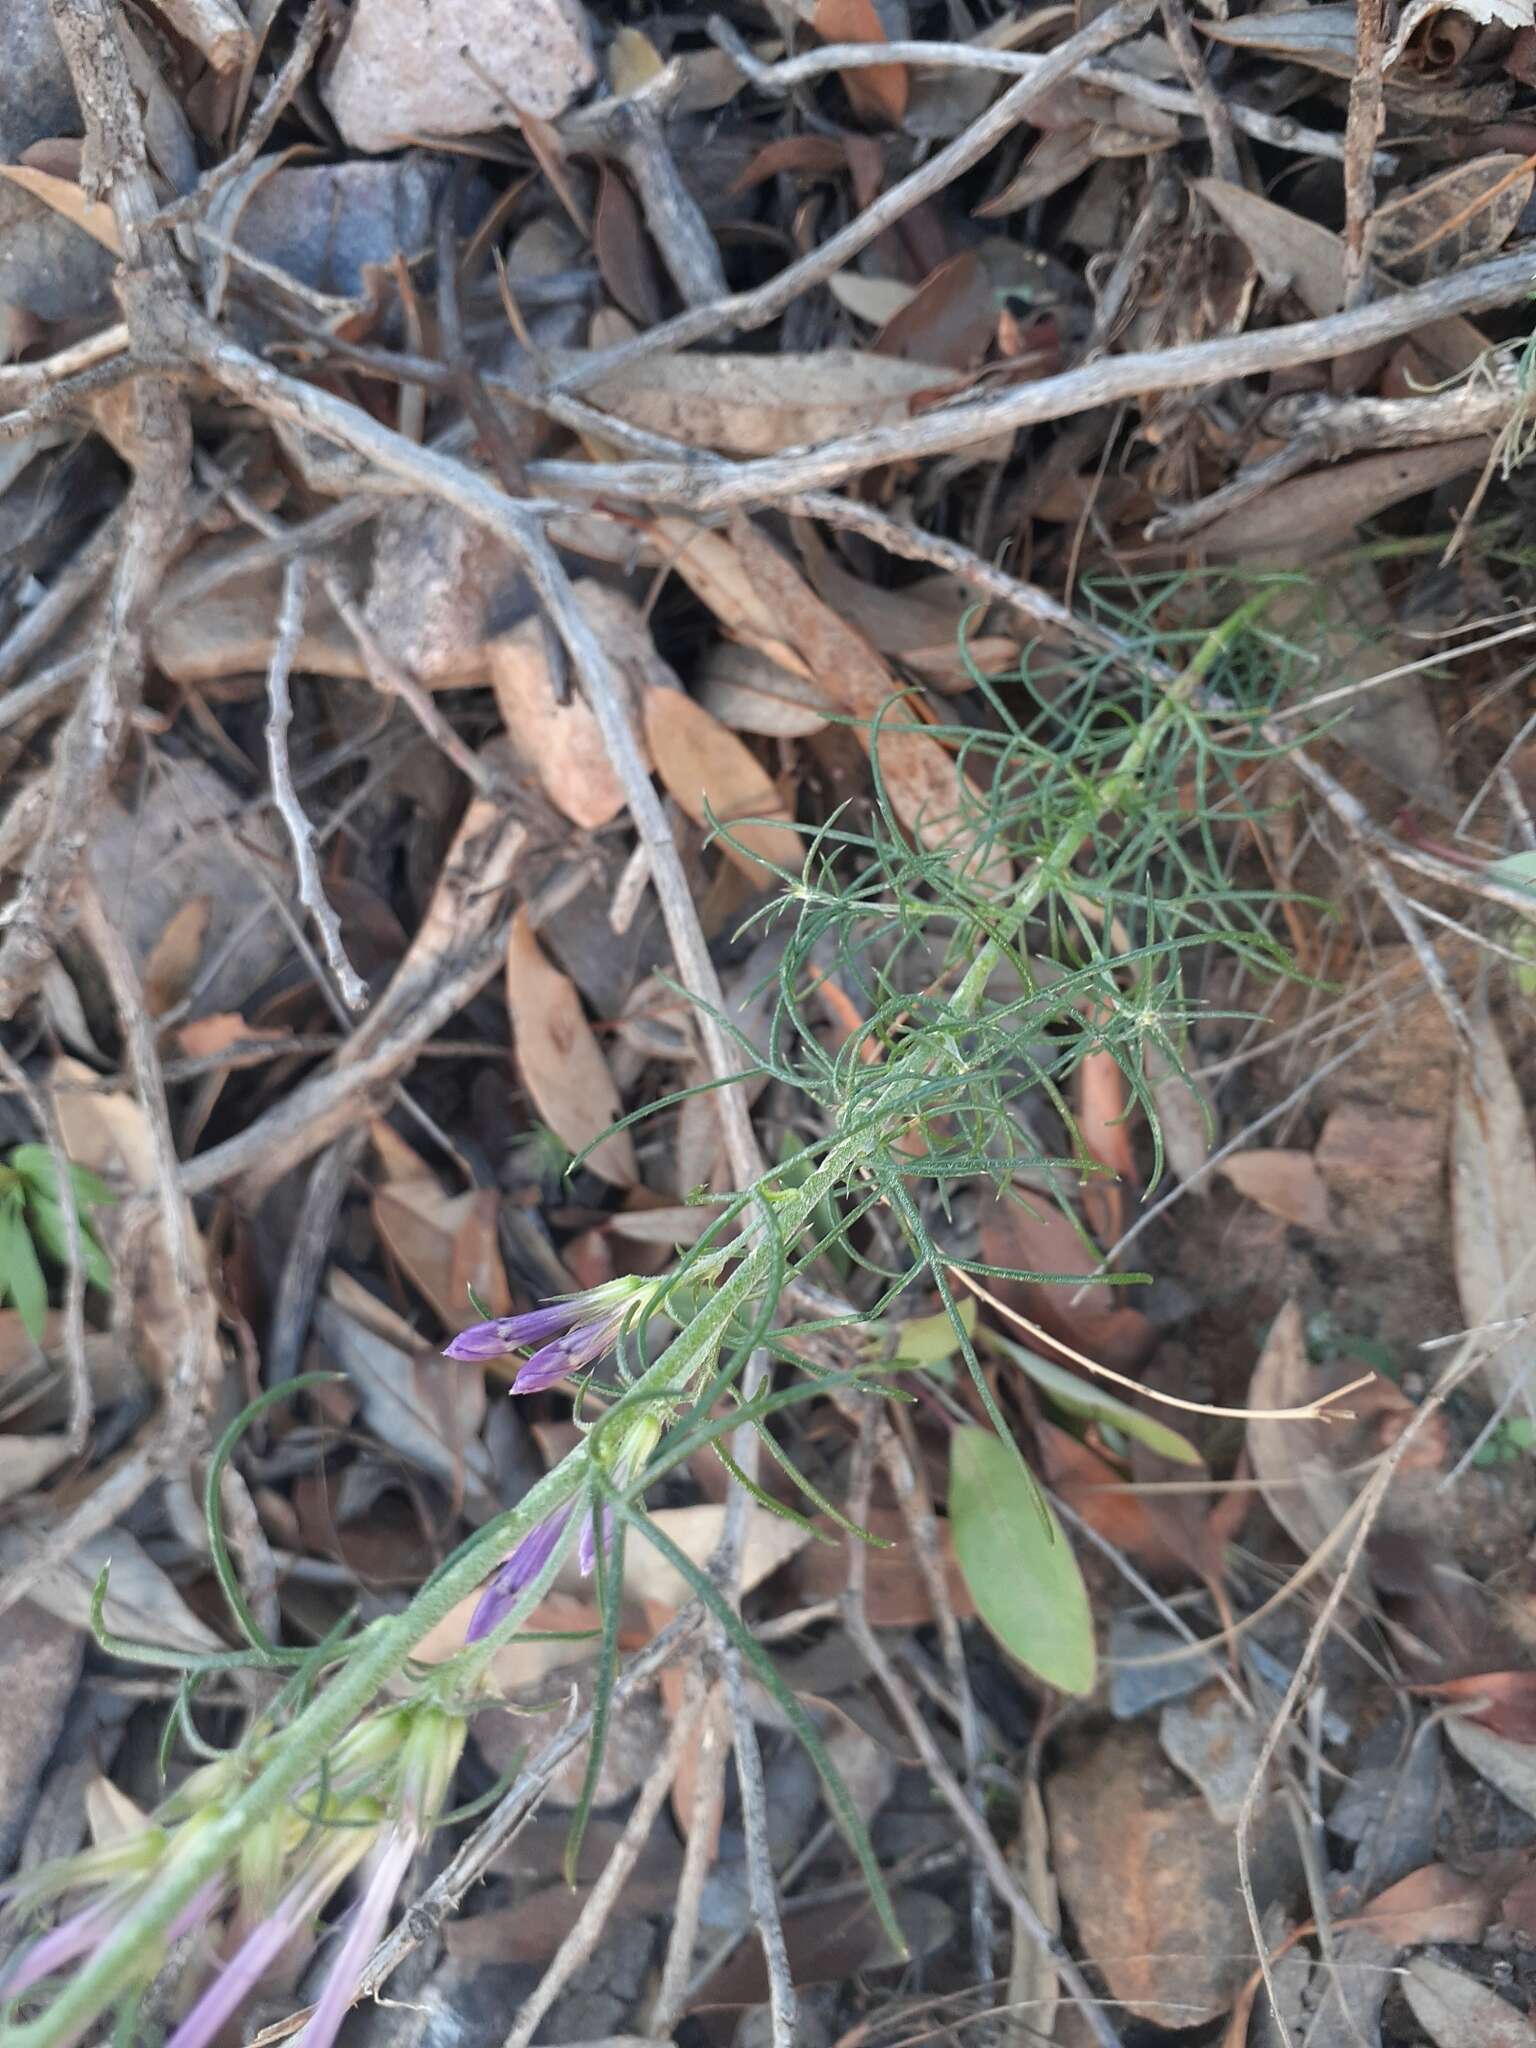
(382, 1793)
(564, 1336)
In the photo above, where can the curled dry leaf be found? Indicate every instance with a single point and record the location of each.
(1419, 19)
(560, 742)
(1493, 1198)
(717, 779)
(560, 1061)
(756, 405)
(1457, 217)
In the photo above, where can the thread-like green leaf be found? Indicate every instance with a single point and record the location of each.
(1081, 1397)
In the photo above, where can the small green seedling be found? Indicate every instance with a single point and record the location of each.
(32, 1219)
(1507, 1443)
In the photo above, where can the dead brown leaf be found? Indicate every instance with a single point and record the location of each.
(623, 249)
(1509, 1698)
(949, 319)
(172, 966)
(1292, 250)
(66, 198)
(1493, 1199)
(1033, 1236)
(560, 1060)
(929, 795)
(757, 405)
(716, 778)
(444, 1244)
(1457, 217)
(896, 1595)
(878, 93)
(1323, 508)
(1457, 2011)
(560, 742)
(1301, 1487)
(750, 693)
(1286, 1183)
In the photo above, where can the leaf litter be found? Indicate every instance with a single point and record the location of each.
(671, 844)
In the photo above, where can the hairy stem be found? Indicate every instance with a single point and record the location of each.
(118, 1965)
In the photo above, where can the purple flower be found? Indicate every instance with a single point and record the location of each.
(516, 1572)
(565, 1335)
(523, 1566)
(339, 1848)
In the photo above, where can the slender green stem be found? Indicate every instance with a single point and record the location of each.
(1053, 871)
(119, 1963)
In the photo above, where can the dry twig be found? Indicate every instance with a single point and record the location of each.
(290, 625)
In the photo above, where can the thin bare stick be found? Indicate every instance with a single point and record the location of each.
(20, 382)
(1501, 281)
(1363, 1511)
(580, 1944)
(475, 1856)
(973, 1826)
(1366, 100)
(277, 95)
(154, 518)
(1213, 109)
(63, 601)
(1277, 129)
(46, 1116)
(290, 625)
(762, 1887)
(632, 131)
(703, 1826)
(1323, 1409)
(744, 311)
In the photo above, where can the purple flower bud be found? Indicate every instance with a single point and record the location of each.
(573, 1332)
(516, 1572)
(586, 1548)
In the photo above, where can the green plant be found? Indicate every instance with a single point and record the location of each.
(32, 1220)
(1107, 793)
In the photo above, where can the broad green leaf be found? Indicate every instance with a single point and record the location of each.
(1517, 870)
(35, 1164)
(47, 1220)
(23, 1275)
(1019, 1566)
(1082, 1397)
(931, 1340)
